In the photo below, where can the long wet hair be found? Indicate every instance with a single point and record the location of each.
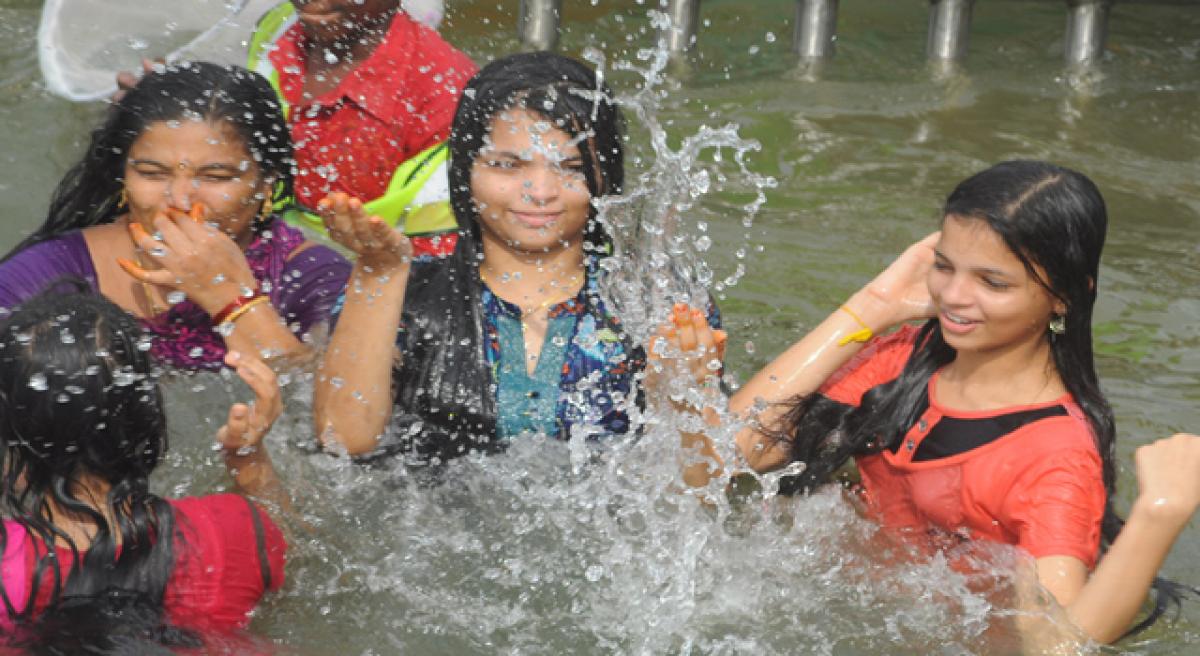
(89, 193)
(79, 399)
(443, 389)
(1054, 220)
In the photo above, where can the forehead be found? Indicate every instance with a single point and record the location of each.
(191, 140)
(972, 243)
(521, 129)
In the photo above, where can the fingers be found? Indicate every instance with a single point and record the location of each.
(233, 434)
(340, 212)
(156, 277)
(348, 224)
(268, 403)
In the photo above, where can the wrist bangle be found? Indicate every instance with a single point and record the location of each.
(237, 307)
(858, 336)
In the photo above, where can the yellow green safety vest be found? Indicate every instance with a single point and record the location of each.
(419, 192)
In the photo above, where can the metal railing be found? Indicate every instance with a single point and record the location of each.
(816, 27)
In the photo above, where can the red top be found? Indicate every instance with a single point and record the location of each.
(1039, 487)
(217, 578)
(394, 104)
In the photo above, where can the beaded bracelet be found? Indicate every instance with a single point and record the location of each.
(237, 307)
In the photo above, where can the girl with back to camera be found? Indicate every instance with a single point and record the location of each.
(83, 426)
(987, 421)
(171, 215)
(508, 335)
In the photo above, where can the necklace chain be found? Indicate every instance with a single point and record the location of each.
(147, 292)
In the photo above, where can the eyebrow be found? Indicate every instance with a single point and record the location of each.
(512, 155)
(216, 166)
(984, 270)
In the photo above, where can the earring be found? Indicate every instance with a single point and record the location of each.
(123, 199)
(264, 214)
(1058, 324)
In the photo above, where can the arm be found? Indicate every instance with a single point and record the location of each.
(1104, 606)
(353, 390)
(241, 436)
(895, 296)
(205, 263)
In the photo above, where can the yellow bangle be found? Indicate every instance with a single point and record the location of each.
(858, 336)
(233, 316)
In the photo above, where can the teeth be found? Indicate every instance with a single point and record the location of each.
(958, 320)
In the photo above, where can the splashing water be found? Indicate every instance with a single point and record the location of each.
(576, 547)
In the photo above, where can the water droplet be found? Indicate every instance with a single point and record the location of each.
(38, 382)
(770, 37)
(594, 573)
(750, 348)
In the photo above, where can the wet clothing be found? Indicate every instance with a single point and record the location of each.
(481, 394)
(225, 561)
(396, 103)
(1029, 476)
(302, 288)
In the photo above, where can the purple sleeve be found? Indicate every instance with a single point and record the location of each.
(312, 282)
(32, 270)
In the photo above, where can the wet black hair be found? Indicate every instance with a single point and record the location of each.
(89, 193)
(1054, 220)
(563, 91)
(79, 399)
(444, 395)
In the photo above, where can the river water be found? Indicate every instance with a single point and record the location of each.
(555, 548)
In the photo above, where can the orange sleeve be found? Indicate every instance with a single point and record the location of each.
(1056, 506)
(880, 361)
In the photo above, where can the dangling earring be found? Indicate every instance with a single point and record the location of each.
(123, 199)
(1058, 324)
(264, 213)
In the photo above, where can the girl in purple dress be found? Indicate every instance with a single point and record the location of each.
(170, 214)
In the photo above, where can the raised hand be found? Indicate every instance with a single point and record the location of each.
(249, 423)
(195, 257)
(377, 244)
(1168, 473)
(701, 348)
(903, 287)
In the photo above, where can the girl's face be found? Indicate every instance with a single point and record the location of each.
(174, 165)
(528, 185)
(985, 298)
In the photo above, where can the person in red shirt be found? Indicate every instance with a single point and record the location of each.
(986, 422)
(83, 427)
(367, 89)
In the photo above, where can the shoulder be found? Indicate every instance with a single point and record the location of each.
(880, 361)
(429, 48)
(28, 271)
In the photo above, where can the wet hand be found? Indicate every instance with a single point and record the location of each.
(902, 288)
(700, 349)
(249, 423)
(195, 257)
(377, 244)
(1168, 473)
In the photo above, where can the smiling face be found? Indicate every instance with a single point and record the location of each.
(173, 165)
(528, 185)
(327, 22)
(985, 298)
